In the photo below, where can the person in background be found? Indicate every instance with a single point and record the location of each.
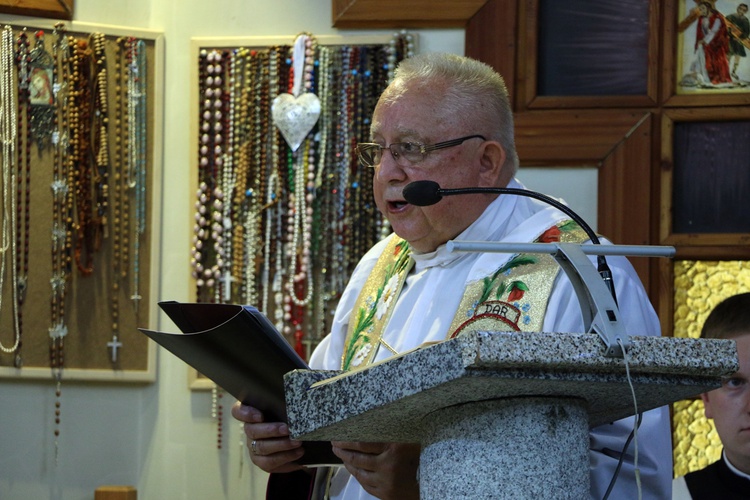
(739, 30)
(729, 406)
(448, 119)
(711, 46)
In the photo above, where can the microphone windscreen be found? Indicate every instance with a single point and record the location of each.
(422, 193)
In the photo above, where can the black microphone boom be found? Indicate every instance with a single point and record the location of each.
(425, 193)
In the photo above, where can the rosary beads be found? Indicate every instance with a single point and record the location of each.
(282, 224)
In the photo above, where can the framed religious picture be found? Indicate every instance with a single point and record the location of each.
(710, 43)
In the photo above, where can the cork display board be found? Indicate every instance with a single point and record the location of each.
(80, 202)
(276, 120)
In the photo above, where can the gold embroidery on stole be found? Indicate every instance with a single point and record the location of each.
(515, 296)
(375, 304)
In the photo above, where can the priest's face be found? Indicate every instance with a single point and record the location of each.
(415, 115)
(729, 406)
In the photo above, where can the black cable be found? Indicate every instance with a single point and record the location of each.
(622, 457)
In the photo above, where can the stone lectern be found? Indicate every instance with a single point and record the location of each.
(514, 408)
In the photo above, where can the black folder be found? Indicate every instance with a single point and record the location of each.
(241, 351)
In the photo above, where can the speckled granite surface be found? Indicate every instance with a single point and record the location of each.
(532, 448)
(383, 402)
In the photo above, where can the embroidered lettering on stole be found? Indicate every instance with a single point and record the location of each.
(513, 298)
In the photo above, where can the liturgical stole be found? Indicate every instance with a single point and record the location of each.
(513, 297)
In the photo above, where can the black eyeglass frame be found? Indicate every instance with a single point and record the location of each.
(423, 149)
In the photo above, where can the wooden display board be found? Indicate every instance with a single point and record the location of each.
(89, 308)
(206, 44)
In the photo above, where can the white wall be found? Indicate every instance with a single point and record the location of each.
(578, 187)
(158, 437)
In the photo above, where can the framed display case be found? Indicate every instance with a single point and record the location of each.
(293, 147)
(82, 271)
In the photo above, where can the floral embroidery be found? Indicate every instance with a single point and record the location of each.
(514, 297)
(375, 308)
(516, 289)
(497, 282)
(361, 355)
(389, 293)
(551, 235)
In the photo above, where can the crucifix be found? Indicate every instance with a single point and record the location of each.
(114, 345)
(227, 280)
(136, 300)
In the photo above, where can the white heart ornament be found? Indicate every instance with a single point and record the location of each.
(295, 116)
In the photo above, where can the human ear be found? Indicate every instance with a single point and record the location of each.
(491, 161)
(707, 410)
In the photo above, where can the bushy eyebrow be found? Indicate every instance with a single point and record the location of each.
(405, 132)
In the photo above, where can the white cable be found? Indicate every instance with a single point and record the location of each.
(635, 420)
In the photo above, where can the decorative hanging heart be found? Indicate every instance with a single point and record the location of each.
(295, 116)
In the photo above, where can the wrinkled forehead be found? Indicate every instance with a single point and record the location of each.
(413, 110)
(433, 86)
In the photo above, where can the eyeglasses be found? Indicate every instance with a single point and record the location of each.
(404, 153)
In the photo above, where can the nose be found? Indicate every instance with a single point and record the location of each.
(388, 170)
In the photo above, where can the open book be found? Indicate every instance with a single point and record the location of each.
(241, 351)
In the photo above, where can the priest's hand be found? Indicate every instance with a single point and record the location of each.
(385, 470)
(268, 442)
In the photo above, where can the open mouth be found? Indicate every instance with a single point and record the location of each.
(397, 205)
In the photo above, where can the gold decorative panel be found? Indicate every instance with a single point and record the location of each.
(699, 286)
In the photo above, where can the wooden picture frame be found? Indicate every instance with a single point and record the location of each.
(54, 9)
(686, 241)
(528, 65)
(369, 14)
(679, 32)
(688, 246)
